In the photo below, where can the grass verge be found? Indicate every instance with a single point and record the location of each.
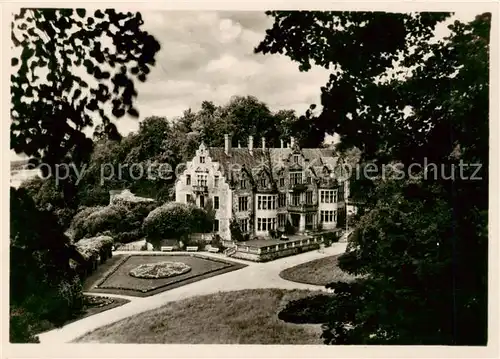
(318, 272)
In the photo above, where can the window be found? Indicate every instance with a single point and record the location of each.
(266, 224)
(216, 202)
(216, 181)
(281, 219)
(202, 159)
(295, 199)
(189, 199)
(281, 199)
(244, 224)
(188, 180)
(309, 218)
(242, 204)
(328, 196)
(341, 192)
(243, 183)
(295, 178)
(296, 159)
(308, 180)
(201, 180)
(309, 197)
(202, 201)
(266, 202)
(216, 225)
(263, 182)
(282, 181)
(328, 216)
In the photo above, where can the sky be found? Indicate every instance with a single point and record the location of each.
(209, 56)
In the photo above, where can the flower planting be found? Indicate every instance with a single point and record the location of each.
(159, 270)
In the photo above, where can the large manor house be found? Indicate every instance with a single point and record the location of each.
(265, 189)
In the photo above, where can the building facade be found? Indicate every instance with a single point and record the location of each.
(265, 188)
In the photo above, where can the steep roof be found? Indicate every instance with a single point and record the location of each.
(317, 157)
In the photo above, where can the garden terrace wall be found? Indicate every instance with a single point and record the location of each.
(274, 251)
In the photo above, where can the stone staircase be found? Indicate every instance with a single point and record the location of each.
(228, 252)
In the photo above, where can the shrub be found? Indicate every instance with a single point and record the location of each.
(329, 238)
(236, 233)
(64, 216)
(274, 234)
(174, 221)
(289, 229)
(22, 325)
(309, 310)
(43, 285)
(123, 219)
(70, 292)
(127, 237)
(216, 242)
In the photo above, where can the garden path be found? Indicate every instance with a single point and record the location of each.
(254, 276)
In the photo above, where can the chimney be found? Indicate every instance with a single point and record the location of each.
(239, 144)
(282, 146)
(227, 144)
(292, 142)
(263, 143)
(250, 144)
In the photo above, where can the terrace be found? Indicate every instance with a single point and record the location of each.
(261, 250)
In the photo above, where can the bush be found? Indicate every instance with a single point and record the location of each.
(309, 310)
(289, 229)
(127, 237)
(216, 242)
(123, 219)
(43, 284)
(174, 221)
(236, 233)
(64, 216)
(329, 238)
(22, 326)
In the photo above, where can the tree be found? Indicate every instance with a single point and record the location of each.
(402, 99)
(50, 113)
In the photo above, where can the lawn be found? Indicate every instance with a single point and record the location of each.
(239, 317)
(318, 272)
(119, 281)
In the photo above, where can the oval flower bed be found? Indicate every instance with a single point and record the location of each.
(159, 270)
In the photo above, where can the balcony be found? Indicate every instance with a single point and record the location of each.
(302, 207)
(200, 189)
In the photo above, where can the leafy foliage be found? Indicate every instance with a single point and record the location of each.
(308, 310)
(175, 221)
(43, 286)
(421, 243)
(122, 220)
(49, 112)
(235, 230)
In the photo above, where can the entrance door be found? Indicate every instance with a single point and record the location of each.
(202, 201)
(295, 219)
